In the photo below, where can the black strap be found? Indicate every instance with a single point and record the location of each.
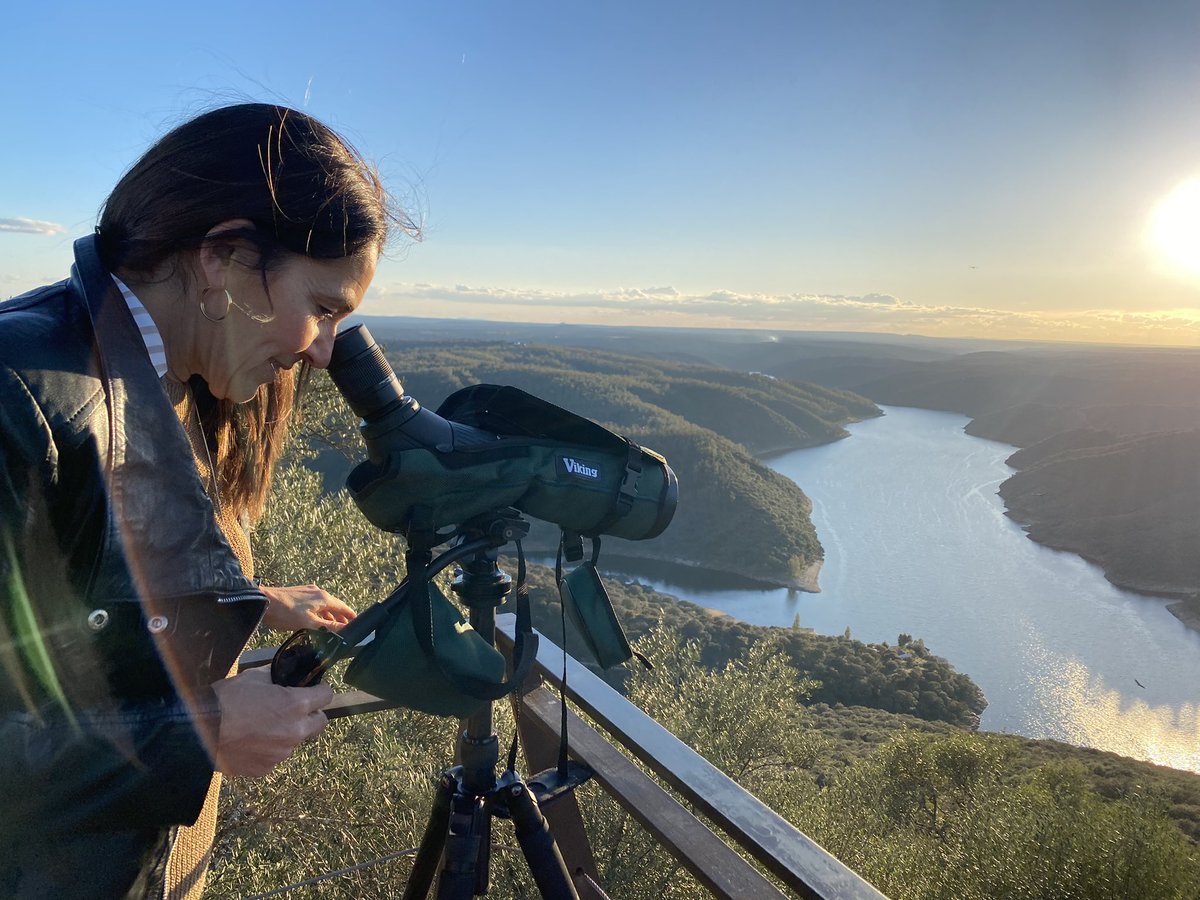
(576, 548)
(626, 493)
(422, 614)
(522, 609)
(524, 614)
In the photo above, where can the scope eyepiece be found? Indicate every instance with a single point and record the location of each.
(363, 376)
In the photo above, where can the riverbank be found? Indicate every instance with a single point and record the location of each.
(1123, 552)
(1187, 612)
(690, 574)
(806, 579)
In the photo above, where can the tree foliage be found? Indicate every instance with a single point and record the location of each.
(908, 680)
(946, 817)
(744, 718)
(924, 809)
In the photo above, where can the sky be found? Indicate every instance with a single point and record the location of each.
(1026, 170)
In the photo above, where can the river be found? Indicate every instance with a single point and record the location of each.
(916, 541)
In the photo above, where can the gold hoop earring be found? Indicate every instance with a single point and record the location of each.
(226, 302)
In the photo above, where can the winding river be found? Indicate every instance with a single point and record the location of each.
(916, 541)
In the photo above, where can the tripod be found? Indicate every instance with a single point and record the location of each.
(469, 795)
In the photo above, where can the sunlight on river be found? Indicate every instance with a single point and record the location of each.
(1093, 715)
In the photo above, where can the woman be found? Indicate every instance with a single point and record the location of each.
(143, 403)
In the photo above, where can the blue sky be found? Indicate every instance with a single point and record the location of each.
(957, 168)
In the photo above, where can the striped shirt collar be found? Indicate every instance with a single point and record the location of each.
(145, 324)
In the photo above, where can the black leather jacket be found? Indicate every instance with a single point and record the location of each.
(120, 600)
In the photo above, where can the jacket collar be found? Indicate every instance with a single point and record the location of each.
(158, 508)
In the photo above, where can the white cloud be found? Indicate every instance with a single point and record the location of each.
(886, 299)
(29, 226)
(873, 312)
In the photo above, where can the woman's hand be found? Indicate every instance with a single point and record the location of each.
(304, 606)
(262, 723)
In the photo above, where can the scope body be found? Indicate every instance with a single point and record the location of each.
(494, 447)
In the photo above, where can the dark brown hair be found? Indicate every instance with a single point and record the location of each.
(306, 191)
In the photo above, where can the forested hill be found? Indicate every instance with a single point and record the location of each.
(760, 412)
(1057, 401)
(735, 514)
(1129, 504)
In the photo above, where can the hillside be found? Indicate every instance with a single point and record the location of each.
(362, 790)
(1129, 389)
(869, 693)
(904, 679)
(1045, 399)
(1129, 505)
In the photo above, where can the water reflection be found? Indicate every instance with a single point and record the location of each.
(1089, 713)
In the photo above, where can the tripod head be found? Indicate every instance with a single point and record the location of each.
(468, 795)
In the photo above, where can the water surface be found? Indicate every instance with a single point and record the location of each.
(916, 541)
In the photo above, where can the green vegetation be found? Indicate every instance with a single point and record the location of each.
(905, 678)
(922, 815)
(950, 817)
(761, 413)
(923, 809)
(861, 746)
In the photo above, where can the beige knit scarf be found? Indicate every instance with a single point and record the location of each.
(191, 851)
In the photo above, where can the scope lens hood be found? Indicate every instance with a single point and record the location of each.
(362, 373)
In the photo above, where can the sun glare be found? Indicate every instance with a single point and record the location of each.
(1175, 228)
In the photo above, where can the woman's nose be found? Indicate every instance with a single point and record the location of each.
(320, 350)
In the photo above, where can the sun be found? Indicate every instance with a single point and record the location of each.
(1174, 231)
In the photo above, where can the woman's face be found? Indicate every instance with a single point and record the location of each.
(308, 298)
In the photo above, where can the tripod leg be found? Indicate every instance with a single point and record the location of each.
(537, 845)
(432, 842)
(483, 867)
(468, 845)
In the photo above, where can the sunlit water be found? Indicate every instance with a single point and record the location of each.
(916, 541)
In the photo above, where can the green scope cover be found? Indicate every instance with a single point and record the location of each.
(586, 602)
(547, 462)
(448, 682)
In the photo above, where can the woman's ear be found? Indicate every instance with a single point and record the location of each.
(216, 251)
